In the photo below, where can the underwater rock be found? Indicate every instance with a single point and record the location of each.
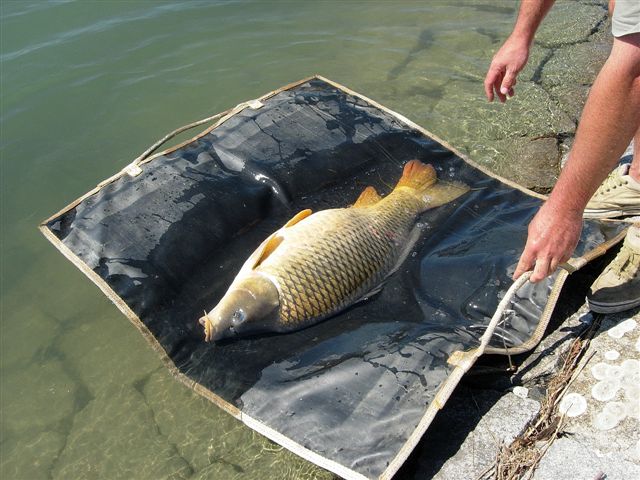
(538, 160)
(55, 401)
(105, 350)
(19, 325)
(568, 23)
(235, 451)
(30, 455)
(125, 452)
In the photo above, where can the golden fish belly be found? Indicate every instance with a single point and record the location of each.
(335, 257)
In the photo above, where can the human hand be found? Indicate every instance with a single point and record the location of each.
(504, 68)
(553, 236)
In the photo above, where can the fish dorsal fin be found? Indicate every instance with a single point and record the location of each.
(417, 175)
(368, 197)
(298, 217)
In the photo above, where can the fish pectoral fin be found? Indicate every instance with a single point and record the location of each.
(373, 292)
(412, 239)
(368, 197)
(298, 217)
(271, 243)
(267, 248)
(261, 253)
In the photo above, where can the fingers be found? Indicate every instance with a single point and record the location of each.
(489, 82)
(508, 82)
(501, 96)
(488, 90)
(541, 270)
(553, 265)
(493, 81)
(551, 239)
(542, 266)
(500, 80)
(526, 263)
(497, 84)
(541, 261)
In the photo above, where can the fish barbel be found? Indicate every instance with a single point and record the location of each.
(319, 264)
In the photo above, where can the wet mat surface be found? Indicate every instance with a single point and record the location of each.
(352, 388)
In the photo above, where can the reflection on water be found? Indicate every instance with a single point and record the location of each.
(86, 86)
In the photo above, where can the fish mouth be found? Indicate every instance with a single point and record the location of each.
(206, 322)
(213, 333)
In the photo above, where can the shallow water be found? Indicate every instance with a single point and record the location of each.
(86, 86)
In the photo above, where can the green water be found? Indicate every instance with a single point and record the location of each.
(88, 85)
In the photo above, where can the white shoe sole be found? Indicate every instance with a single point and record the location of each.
(628, 212)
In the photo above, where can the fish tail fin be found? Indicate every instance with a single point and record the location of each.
(423, 183)
(442, 193)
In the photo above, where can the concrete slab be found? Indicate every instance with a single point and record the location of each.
(602, 435)
(505, 421)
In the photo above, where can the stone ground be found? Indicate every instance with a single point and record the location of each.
(602, 408)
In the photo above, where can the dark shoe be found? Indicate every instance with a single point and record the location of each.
(618, 287)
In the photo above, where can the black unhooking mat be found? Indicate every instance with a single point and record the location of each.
(165, 237)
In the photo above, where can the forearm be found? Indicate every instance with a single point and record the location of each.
(609, 120)
(513, 55)
(530, 16)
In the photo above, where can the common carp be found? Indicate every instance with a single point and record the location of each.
(319, 264)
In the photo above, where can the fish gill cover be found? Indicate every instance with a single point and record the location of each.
(347, 393)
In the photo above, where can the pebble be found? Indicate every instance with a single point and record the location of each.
(522, 392)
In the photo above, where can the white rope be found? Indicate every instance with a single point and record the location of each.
(463, 361)
(502, 306)
(254, 104)
(169, 136)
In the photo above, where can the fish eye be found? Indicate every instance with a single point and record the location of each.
(238, 317)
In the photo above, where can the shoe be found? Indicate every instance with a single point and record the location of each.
(619, 195)
(618, 287)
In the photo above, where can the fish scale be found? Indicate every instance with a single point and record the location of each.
(343, 263)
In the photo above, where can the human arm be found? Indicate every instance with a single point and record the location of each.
(514, 53)
(609, 120)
